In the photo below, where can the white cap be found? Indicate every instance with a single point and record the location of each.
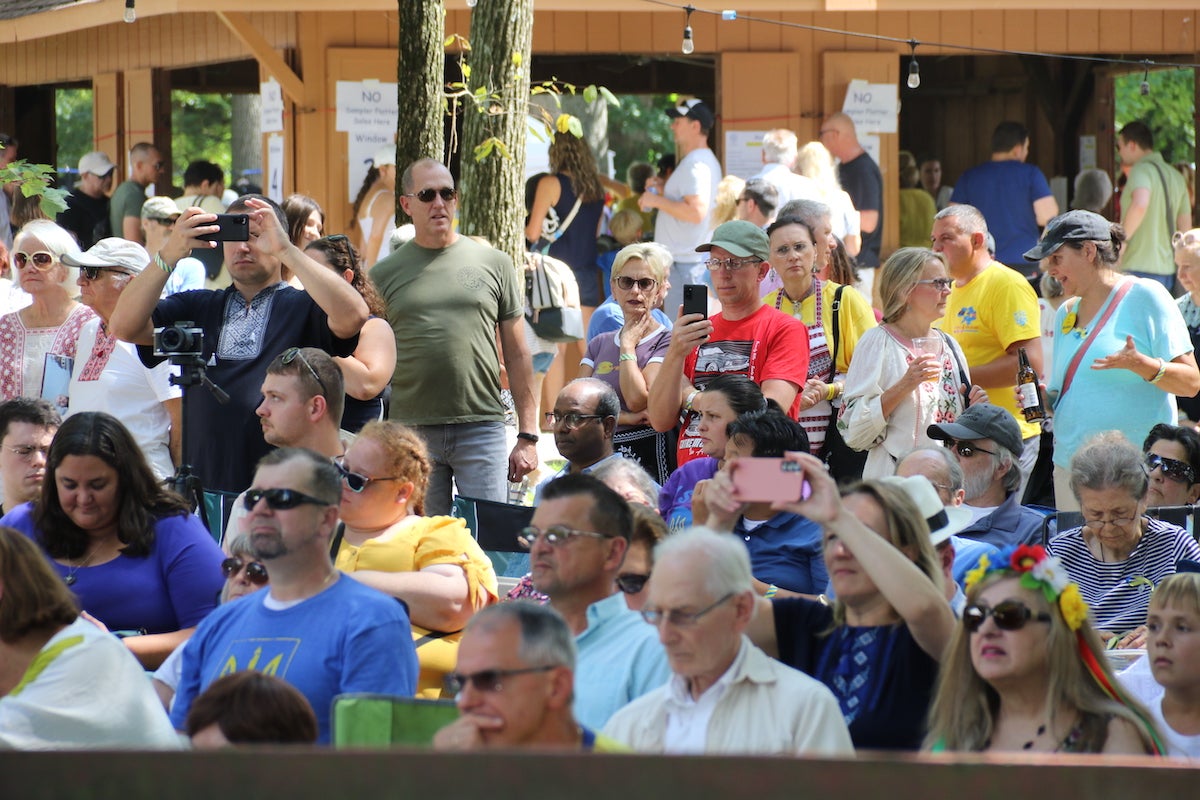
(111, 252)
(96, 163)
(943, 521)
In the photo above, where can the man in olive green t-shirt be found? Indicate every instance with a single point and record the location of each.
(446, 297)
(1154, 206)
(125, 210)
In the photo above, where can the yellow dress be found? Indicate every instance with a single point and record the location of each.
(411, 545)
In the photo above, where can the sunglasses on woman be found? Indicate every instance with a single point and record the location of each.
(357, 482)
(631, 582)
(1008, 616)
(256, 573)
(625, 283)
(1178, 471)
(42, 259)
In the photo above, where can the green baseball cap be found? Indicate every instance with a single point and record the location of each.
(741, 238)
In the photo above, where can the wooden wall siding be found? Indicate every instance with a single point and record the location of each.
(185, 39)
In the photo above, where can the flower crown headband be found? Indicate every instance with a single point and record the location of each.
(1038, 571)
(1042, 572)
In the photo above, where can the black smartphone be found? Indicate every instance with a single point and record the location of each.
(695, 299)
(234, 228)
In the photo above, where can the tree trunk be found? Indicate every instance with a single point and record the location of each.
(246, 140)
(419, 86)
(492, 203)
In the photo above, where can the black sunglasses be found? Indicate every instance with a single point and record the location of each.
(291, 354)
(281, 499)
(965, 449)
(426, 195)
(631, 582)
(256, 573)
(626, 283)
(1179, 471)
(358, 482)
(92, 273)
(1008, 616)
(488, 680)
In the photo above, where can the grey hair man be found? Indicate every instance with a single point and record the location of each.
(515, 682)
(986, 440)
(725, 695)
(779, 148)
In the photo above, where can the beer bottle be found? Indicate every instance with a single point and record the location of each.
(1027, 388)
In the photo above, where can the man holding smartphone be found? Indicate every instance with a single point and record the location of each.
(745, 338)
(246, 325)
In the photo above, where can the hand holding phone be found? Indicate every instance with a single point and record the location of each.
(770, 480)
(695, 299)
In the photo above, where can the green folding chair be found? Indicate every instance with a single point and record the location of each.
(384, 720)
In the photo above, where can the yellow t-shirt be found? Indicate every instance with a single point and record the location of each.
(854, 319)
(413, 544)
(996, 308)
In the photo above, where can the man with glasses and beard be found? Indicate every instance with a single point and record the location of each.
(446, 297)
(577, 543)
(515, 682)
(987, 443)
(313, 627)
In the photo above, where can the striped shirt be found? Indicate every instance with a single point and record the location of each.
(1118, 593)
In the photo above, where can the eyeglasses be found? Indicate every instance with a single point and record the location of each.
(291, 354)
(826, 132)
(731, 264)
(357, 482)
(256, 573)
(569, 421)
(487, 680)
(799, 248)
(337, 238)
(631, 582)
(25, 451)
(92, 273)
(426, 195)
(625, 283)
(941, 284)
(554, 536)
(281, 499)
(677, 618)
(1008, 616)
(1178, 471)
(965, 449)
(161, 220)
(1099, 524)
(42, 259)
(1187, 239)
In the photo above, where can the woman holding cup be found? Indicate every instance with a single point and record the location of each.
(905, 375)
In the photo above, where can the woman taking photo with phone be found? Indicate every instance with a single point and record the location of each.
(877, 646)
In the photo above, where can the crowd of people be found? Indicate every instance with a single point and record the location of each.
(806, 505)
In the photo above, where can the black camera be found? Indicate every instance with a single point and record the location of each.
(180, 339)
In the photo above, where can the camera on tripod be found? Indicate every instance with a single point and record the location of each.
(179, 339)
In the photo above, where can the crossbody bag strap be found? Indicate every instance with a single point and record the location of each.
(836, 307)
(1166, 200)
(1122, 290)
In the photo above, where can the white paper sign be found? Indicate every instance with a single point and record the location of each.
(743, 153)
(874, 107)
(271, 107)
(275, 168)
(366, 105)
(1087, 153)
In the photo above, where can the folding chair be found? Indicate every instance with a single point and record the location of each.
(383, 720)
(497, 526)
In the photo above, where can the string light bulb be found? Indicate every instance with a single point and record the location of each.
(1145, 87)
(689, 45)
(914, 69)
(130, 11)
(472, 3)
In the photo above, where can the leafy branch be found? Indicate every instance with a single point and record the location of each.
(37, 180)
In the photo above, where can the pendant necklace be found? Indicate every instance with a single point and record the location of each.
(70, 579)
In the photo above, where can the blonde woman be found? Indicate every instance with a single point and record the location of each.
(905, 375)
(1026, 672)
(815, 162)
(1187, 274)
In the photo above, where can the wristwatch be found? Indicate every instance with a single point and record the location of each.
(529, 437)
